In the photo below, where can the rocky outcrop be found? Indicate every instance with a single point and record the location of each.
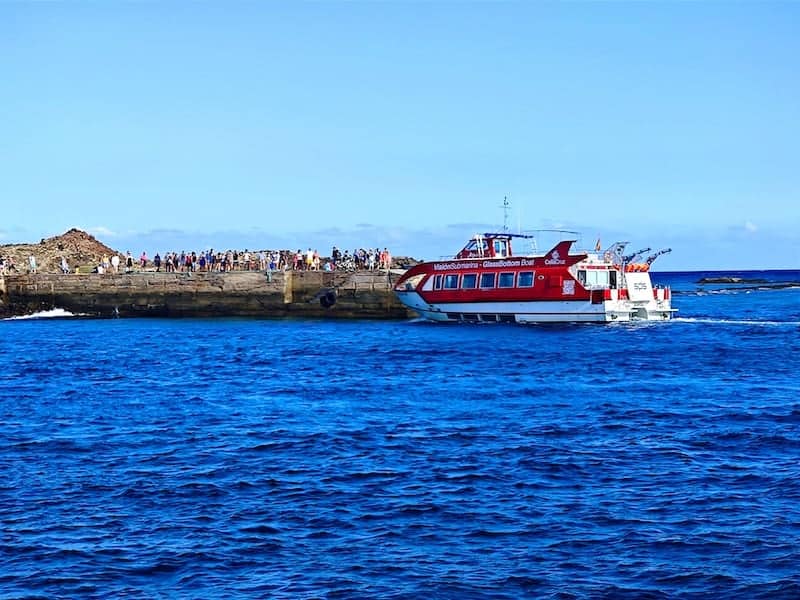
(77, 247)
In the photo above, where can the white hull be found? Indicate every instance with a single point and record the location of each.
(551, 311)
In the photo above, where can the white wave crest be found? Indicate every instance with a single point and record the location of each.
(734, 321)
(55, 313)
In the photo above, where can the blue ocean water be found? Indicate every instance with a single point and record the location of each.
(304, 459)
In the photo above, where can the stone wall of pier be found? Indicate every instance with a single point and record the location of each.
(247, 294)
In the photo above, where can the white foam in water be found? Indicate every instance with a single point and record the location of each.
(734, 321)
(46, 314)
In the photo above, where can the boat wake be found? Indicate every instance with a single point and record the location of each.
(55, 313)
(736, 322)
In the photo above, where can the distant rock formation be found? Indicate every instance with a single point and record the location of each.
(404, 262)
(78, 247)
(730, 280)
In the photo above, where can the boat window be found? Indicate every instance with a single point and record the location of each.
(612, 279)
(500, 247)
(487, 280)
(411, 283)
(477, 247)
(525, 279)
(506, 280)
(469, 281)
(437, 282)
(451, 282)
(469, 250)
(596, 278)
(582, 277)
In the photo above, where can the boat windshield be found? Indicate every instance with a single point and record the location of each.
(477, 247)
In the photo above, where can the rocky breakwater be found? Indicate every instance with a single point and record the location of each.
(248, 293)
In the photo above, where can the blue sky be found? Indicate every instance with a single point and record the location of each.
(160, 126)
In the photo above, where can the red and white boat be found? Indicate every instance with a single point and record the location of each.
(486, 282)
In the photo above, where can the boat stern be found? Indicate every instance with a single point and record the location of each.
(646, 303)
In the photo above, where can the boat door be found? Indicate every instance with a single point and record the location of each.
(500, 248)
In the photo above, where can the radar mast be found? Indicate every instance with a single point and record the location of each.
(506, 208)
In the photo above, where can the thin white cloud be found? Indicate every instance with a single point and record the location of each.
(13, 234)
(469, 227)
(751, 227)
(100, 231)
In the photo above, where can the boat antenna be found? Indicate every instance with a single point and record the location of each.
(506, 207)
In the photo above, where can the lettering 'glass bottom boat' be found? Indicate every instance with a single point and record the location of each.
(486, 282)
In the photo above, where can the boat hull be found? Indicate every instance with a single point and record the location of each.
(566, 311)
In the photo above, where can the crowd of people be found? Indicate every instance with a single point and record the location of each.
(366, 259)
(268, 260)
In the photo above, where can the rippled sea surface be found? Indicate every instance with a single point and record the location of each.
(303, 459)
